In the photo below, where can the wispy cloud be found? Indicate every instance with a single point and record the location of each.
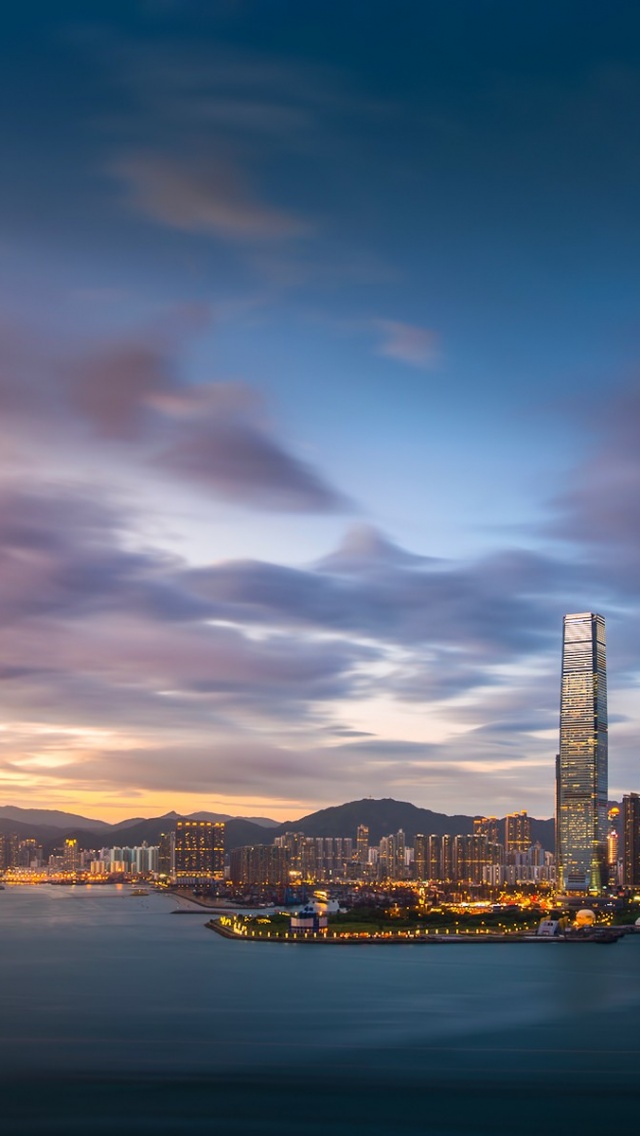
(128, 400)
(223, 443)
(201, 197)
(600, 506)
(415, 346)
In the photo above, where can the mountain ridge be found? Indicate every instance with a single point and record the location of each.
(381, 816)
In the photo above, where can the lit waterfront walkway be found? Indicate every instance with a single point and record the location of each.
(230, 928)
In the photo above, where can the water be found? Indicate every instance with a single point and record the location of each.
(117, 1015)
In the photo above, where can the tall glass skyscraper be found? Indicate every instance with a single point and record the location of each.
(582, 764)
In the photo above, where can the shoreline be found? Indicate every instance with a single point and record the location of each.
(219, 908)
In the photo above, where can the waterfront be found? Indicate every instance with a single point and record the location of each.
(115, 1004)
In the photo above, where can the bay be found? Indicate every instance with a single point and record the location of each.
(115, 1011)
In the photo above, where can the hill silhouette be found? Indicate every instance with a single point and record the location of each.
(388, 815)
(380, 816)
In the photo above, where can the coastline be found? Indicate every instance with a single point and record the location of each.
(209, 905)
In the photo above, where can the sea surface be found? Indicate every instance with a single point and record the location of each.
(117, 1015)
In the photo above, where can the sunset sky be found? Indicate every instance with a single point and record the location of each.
(319, 399)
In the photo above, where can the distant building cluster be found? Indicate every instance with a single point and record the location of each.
(17, 853)
(28, 856)
(474, 859)
(191, 852)
(137, 861)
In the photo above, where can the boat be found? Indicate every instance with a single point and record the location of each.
(138, 891)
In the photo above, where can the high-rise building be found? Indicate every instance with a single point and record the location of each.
(400, 858)
(434, 857)
(631, 837)
(362, 844)
(470, 857)
(29, 853)
(167, 853)
(487, 826)
(517, 832)
(420, 851)
(71, 853)
(582, 763)
(392, 857)
(218, 850)
(199, 850)
(613, 857)
(260, 865)
(446, 858)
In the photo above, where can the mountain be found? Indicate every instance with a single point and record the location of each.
(263, 822)
(237, 832)
(380, 816)
(44, 833)
(52, 818)
(386, 816)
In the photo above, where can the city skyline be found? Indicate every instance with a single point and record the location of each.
(319, 401)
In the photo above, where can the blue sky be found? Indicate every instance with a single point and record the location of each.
(319, 399)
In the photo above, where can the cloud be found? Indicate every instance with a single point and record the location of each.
(251, 102)
(142, 671)
(596, 514)
(364, 549)
(200, 197)
(103, 633)
(494, 610)
(116, 389)
(415, 346)
(600, 507)
(223, 443)
(129, 397)
(254, 766)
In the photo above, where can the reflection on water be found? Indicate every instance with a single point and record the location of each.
(122, 1009)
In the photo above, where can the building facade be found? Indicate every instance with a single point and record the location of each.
(517, 832)
(199, 850)
(582, 763)
(487, 826)
(631, 838)
(420, 852)
(260, 865)
(362, 846)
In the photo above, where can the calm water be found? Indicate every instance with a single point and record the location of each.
(115, 1012)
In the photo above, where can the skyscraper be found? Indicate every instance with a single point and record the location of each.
(581, 765)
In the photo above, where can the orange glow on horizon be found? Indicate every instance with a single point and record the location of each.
(105, 807)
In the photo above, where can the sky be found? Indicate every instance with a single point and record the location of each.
(319, 399)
